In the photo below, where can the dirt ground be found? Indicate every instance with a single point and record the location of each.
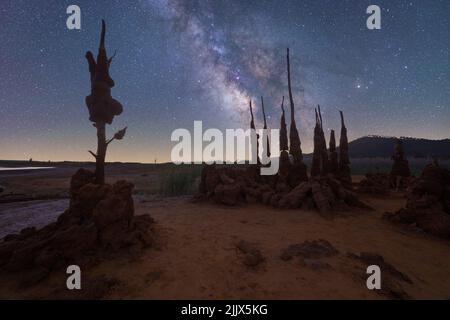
(195, 256)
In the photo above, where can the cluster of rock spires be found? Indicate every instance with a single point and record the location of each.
(428, 202)
(328, 187)
(99, 221)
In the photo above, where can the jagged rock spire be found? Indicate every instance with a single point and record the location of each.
(267, 147)
(252, 121)
(283, 129)
(320, 165)
(295, 145)
(323, 146)
(284, 147)
(252, 127)
(400, 167)
(333, 154)
(316, 167)
(344, 161)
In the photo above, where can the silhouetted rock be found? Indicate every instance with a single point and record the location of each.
(233, 186)
(334, 165)
(283, 129)
(428, 202)
(400, 167)
(252, 257)
(320, 165)
(266, 144)
(392, 278)
(253, 130)
(344, 160)
(295, 145)
(102, 107)
(309, 249)
(100, 220)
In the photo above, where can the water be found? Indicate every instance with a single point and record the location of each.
(23, 168)
(15, 216)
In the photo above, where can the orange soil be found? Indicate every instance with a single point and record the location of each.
(196, 258)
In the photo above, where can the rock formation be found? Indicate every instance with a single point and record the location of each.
(99, 221)
(284, 148)
(267, 143)
(289, 188)
(375, 183)
(295, 145)
(233, 186)
(323, 147)
(428, 202)
(334, 166)
(102, 107)
(298, 168)
(320, 165)
(344, 161)
(253, 129)
(317, 152)
(400, 168)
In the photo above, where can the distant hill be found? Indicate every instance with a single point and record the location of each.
(378, 146)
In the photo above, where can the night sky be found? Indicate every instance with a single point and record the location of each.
(180, 61)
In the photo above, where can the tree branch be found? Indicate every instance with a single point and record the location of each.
(110, 140)
(93, 154)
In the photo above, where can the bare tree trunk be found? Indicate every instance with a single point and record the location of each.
(101, 153)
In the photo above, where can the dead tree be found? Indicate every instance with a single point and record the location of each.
(102, 107)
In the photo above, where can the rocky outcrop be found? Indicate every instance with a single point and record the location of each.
(393, 280)
(99, 220)
(252, 256)
(428, 202)
(400, 171)
(375, 183)
(312, 254)
(233, 186)
(290, 188)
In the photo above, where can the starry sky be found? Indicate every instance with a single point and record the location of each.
(180, 61)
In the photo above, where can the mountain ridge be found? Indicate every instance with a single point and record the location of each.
(372, 146)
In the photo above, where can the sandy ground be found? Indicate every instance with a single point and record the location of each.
(18, 215)
(195, 254)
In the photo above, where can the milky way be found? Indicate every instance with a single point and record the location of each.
(180, 61)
